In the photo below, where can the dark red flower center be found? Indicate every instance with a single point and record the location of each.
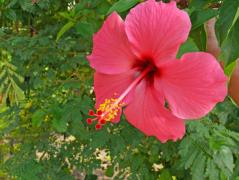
(110, 108)
(147, 63)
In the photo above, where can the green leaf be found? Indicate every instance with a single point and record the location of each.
(136, 162)
(199, 37)
(191, 158)
(211, 170)
(99, 139)
(10, 14)
(117, 143)
(110, 171)
(198, 4)
(27, 5)
(229, 69)
(84, 29)
(224, 160)
(18, 93)
(165, 175)
(199, 17)
(12, 3)
(188, 46)
(66, 15)
(90, 177)
(103, 7)
(123, 5)
(59, 124)
(43, 4)
(236, 170)
(230, 47)
(199, 167)
(226, 16)
(59, 121)
(65, 28)
(38, 117)
(227, 158)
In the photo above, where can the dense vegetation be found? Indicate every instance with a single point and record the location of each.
(46, 92)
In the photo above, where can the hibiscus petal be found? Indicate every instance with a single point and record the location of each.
(156, 30)
(148, 114)
(111, 51)
(112, 86)
(192, 85)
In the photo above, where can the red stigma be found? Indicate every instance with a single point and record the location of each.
(99, 113)
(91, 113)
(89, 121)
(106, 112)
(102, 121)
(98, 126)
(97, 116)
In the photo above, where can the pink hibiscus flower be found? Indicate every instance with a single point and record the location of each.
(136, 68)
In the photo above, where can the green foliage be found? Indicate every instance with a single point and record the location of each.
(199, 37)
(188, 46)
(46, 92)
(123, 5)
(230, 47)
(10, 80)
(199, 17)
(227, 14)
(209, 154)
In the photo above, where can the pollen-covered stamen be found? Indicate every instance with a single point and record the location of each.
(106, 112)
(111, 108)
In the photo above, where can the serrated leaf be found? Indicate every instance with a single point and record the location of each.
(227, 158)
(17, 92)
(191, 158)
(3, 75)
(123, 5)
(198, 167)
(222, 163)
(211, 170)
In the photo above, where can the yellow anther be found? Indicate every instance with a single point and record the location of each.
(110, 108)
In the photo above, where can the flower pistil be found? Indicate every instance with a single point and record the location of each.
(112, 107)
